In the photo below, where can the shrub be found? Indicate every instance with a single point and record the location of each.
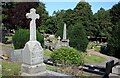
(22, 36)
(67, 56)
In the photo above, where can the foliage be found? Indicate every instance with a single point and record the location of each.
(14, 14)
(22, 36)
(114, 42)
(84, 13)
(67, 56)
(102, 25)
(78, 37)
(115, 13)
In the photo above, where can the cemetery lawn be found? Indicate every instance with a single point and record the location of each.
(52, 68)
(94, 59)
(13, 69)
(10, 68)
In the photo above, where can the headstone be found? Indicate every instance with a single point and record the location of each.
(116, 70)
(33, 52)
(65, 41)
(58, 45)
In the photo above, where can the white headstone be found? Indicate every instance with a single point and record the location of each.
(33, 52)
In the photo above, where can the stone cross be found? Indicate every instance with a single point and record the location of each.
(64, 32)
(33, 16)
(58, 38)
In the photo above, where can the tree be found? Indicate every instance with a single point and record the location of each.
(115, 13)
(84, 13)
(78, 37)
(16, 15)
(102, 23)
(114, 40)
(5, 7)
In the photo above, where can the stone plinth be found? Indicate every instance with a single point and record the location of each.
(65, 43)
(32, 59)
(116, 70)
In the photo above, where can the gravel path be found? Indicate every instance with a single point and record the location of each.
(91, 51)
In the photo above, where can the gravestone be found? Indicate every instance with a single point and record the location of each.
(65, 41)
(58, 45)
(116, 68)
(33, 52)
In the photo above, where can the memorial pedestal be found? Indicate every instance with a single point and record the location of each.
(65, 43)
(32, 59)
(116, 70)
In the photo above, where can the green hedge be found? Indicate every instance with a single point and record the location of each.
(67, 56)
(22, 36)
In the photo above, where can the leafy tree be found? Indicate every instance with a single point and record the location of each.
(84, 13)
(16, 14)
(114, 40)
(78, 37)
(102, 23)
(5, 7)
(59, 21)
(115, 13)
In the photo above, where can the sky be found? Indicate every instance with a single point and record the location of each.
(54, 5)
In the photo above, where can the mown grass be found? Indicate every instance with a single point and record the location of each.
(94, 59)
(10, 68)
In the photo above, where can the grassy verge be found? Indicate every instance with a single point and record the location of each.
(10, 69)
(52, 68)
(94, 59)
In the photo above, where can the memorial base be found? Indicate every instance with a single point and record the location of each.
(65, 43)
(116, 70)
(32, 70)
